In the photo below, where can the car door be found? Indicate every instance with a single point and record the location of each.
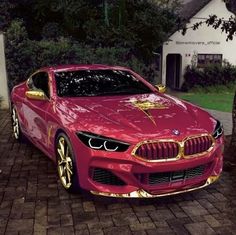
(35, 110)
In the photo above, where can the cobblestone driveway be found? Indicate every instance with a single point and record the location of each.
(32, 201)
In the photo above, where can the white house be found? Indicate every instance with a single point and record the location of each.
(205, 45)
(4, 94)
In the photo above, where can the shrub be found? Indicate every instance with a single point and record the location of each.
(18, 52)
(51, 30)
(25, 56)
(211, 75)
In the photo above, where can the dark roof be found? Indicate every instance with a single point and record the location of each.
(231, 6)
(192, 7)
(189, 9)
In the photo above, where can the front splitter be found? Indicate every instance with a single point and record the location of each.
(143, 194)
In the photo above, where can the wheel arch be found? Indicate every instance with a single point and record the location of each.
(58, 131)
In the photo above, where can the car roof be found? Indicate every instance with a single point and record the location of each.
(60, 68)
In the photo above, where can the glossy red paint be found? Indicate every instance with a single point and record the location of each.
(117, 117)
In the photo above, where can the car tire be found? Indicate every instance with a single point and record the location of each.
(17, 133)
(66, 165)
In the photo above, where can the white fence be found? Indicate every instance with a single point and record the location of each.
(4, 93)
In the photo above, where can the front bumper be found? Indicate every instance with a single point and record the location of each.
(126, 167)
(143, 194)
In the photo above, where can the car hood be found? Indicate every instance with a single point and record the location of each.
(135, 117)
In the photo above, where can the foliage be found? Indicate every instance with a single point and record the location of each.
(123, 32)
(18, 52)
(51, 30)
(25, 56)
(227, 26)
(5, 7)
(141, 26)
(211, 75)
(144, 28)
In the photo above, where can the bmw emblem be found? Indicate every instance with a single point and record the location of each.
(176, 132)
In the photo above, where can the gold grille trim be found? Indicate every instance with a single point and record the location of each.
(181, 150)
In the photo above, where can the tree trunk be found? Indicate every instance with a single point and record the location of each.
(106, 18)
(121, 12)
(233, 139)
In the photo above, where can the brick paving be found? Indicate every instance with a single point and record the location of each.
(32, 201)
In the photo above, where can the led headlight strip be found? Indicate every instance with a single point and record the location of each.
(98, 142)
(218, 132)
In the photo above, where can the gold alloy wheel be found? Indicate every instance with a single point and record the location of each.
(64, 163)
(15, 124)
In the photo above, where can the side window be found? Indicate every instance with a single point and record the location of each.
(39, 81)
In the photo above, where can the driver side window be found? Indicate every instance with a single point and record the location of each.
(39, 81)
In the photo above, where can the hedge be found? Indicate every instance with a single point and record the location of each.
(25, 56)
(211, 75)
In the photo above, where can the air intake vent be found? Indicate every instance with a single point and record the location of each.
(167, 177)
(105, 177)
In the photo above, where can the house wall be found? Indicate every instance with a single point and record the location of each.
(4, 94)
(205, 40)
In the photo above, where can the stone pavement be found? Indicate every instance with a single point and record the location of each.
(32, 201)
(225, 118)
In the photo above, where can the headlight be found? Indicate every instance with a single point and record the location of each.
(218, 132)
(99, 142)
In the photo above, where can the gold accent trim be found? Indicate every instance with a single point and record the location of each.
(181, 148)
(36, 95)
(161, 88)
(143, 194)
(146, 105)
(50, 134)
(149, 116)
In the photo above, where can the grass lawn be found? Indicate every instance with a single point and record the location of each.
(218, 101)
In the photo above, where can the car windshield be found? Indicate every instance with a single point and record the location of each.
(98, 83)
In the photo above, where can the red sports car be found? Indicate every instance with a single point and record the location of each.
(112, 133)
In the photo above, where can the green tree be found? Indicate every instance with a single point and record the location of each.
(5, 16)
(18, 51)
(140, 25)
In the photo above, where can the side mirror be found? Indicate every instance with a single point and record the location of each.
(36, 95)
(161, 88)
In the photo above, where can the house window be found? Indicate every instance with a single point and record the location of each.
(206, 59)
